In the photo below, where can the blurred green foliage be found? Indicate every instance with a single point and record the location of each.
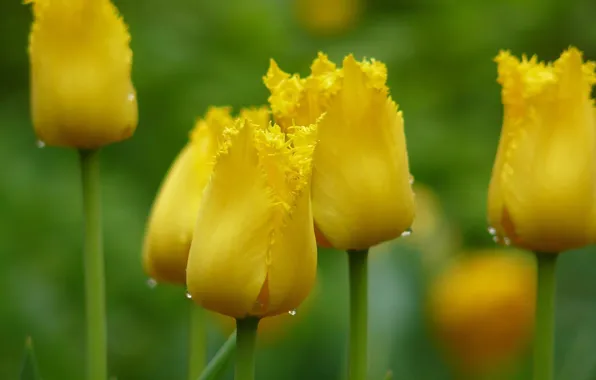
(192, 54)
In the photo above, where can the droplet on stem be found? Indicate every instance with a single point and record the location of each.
(292, 312)
(407, 232)
(188, 295)
(151, 283)
(40, 144)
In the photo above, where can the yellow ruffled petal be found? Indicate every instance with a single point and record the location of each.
(254, 227)
(361, 192)
(260, 116)
(81, 90)
(293, 252)
(541, 195)
(173, 215)
(296, 101)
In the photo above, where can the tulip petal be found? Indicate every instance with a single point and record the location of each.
(227, 265)
(296, 101)
(293, 255)
(173, 214)
(367, 199)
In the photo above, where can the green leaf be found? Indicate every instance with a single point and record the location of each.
(216, 367)
(29, 369)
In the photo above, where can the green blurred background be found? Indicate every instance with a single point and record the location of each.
(192, 54)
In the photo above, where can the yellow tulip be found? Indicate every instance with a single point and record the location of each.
(81, 90)
(253, 252)
(482, 308)
(361, 189)
(172, 219)
(543, 187)
(327, 17)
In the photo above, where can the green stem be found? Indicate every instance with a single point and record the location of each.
(544, 338)
(246, 341)
(95, 308)
(358, 268)
(219, 362)
(198, 338)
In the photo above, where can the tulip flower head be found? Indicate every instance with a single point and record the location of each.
(542, 194)
(254, 252)
(482, 308)
(174, 212)
(328, 17)
(81, 90)
(361, 189)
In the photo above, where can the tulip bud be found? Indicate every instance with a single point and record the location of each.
(81, 91)
(253, 252)
(361, 189)
(172, 219)
(482, 308)
(542, 191)
(328, 17)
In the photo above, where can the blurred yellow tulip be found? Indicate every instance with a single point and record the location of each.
(327, 17)
(174, 212)
(542, 194)
(253, 252)
(81, 90)
(361, 189)
(482, 308)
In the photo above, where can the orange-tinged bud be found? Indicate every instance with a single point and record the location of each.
(361, 189)
(253, 251)
(482, 308)
(82, 95)
(172, 219)
(542, 194)
(328, 17)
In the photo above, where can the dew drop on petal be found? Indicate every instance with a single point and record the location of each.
(292, 312)
(151, 283)
(407, 232)
(131, 97)
(188, 295)
(411, 179)
(496, 239)
(492, 231)
(506, 241)
(40, 144)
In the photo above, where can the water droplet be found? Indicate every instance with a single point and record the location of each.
(496, 239)
(131, 97)
(151, 283)
(292, 312)
(188, 295)
(40, 144)
(411, 179)
(492, 231)
(407, 232)
(506, 241)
